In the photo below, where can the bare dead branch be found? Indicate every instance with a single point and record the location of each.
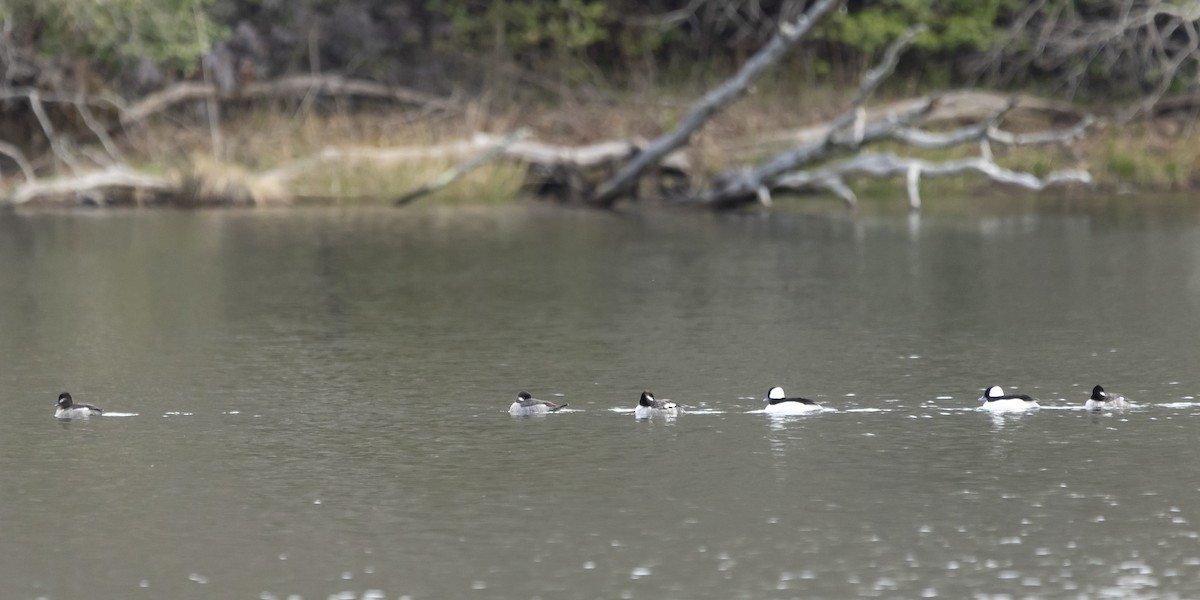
(965, 105)
(56, 143)
(1141, 48)
(18, 157)
(97, 129)
(461, 169)
(736, 186)
(879, 165)
(1047, 137)
(90, 184)
(789, 33)
(991, 132)
(1171, 65)
(852, 131)
(888, 165)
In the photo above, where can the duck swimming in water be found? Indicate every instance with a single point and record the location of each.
(68, 409)
(648, 407)
(994, 399)
(1102, 400)
(779, 404)
(528, 405)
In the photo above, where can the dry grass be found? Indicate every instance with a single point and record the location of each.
(209, 182)
(255, 141)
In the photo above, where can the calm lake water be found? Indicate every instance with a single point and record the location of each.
(312, 403)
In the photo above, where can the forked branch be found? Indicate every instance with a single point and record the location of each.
(790, 32)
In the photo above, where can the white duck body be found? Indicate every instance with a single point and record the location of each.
(66, 408)
(995, 400)
(527, 405)
(779, 404)
(649, 407)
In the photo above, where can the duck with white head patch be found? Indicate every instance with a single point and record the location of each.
(528, 405)
(1102, 400)
(779, 404)
(994, 399)
(648, 406)
(66, 408)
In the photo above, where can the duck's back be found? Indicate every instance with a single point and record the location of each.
(78, 411)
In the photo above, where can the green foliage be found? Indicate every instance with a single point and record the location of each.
(872, 29)
(951, 25)
(172, 33)
(1121, 165)
(1171, 172)
(524, 28)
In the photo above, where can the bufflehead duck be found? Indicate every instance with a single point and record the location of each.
(528, 405)
(779, 403)
(994, 398)
(67, 409)
(1102, 400)
(649, 407)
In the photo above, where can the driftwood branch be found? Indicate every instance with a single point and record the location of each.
(789, 33)
(98, 130)
(853, 130)
(90, 185)
(592, 156)
(56, 143)
(953, 107)
(833, 177)
(287, 87)
(18, 157)
(461, 169)
(58, 146)
(739, 186)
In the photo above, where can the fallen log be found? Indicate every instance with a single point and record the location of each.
(953, 107)
(461, 169)
(97, 188)
(833, 177)
(847, 132)
(569, 161)
(772, 177)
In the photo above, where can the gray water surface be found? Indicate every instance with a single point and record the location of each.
(312, 403)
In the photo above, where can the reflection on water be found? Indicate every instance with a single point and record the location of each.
(317, 403)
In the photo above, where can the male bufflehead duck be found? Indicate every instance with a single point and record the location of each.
(528, 405)
(779, 403)
(67, 409)
(994, 398)
(649, 407)
(1102, 400)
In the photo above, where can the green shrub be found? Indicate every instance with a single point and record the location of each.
(172, 33)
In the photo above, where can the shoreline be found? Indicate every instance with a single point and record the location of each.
(1152, 156)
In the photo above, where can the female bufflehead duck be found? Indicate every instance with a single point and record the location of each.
(1102, 400)
(994, 398)
(649, 407)
(778, 403)
(528, 405)
(67, 409)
